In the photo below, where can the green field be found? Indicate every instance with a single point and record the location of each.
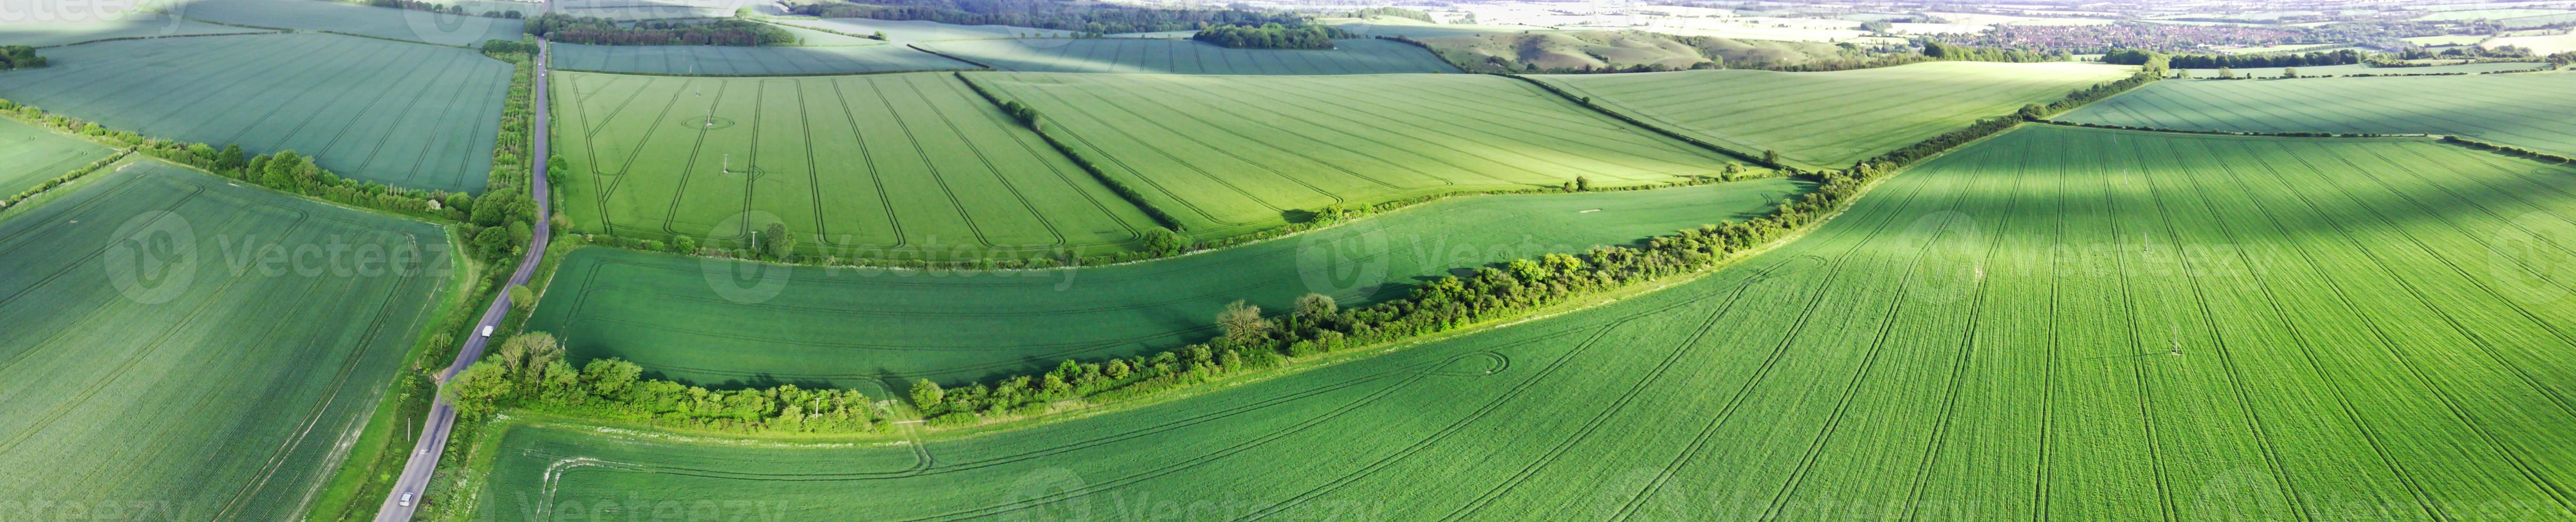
(2350, 69)
(1227, 155)
(1173, 56)
(407, 115)
(31, 155)
(2517, 109)
(878, 166)
(345, 17)
(747, 61)
(1832, 119)
(158, 366)
(918, 30)
(128, 25)
(2491, 14)
(1986, 337)
(647, 9)
(844, 327)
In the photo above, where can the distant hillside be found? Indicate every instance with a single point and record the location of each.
(1622, 50)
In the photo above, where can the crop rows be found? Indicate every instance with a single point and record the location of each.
(227, 386)
(1174, 56)
(1831, 119)
(351, 18)
(1989, 336)
(862, 166)
(33, 155)
(1233, 154)
(406, 115)
(716, 60)
(2513, 109)
(843, 326)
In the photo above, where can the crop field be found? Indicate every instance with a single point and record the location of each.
(1181, 56)
(159, 367)
(2513, 109)
(31, 155)
(919, 30)
(844, 327)
(1228, 155)
(129, 25)
(1832, 119)
(401, 114)
(2543, 44)
(2350, 69)
(747, 61)
(344, 17)
(650, 9)
(878, 166)
(1989, 336)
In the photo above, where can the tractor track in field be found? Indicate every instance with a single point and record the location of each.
(989, 167)
(697, 146)
(2137, 371)
(1968, 343)
(936, 174)
(1140, 175)
(1054, 162)
(1168, 130)
(875, 175)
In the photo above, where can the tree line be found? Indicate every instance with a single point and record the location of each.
(1395, 12)
(2213, 61)
(1271, 36)
(529, 371)
(1942, 51)
(417, 5)
(1084, 17)
(19, 57)
(609, 31)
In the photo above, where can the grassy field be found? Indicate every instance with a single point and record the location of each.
(2491, 14)
(401, 114)
(1986, 337)
(1517, 52)
(1227, 155)
(1832, 119)
(648, 9)
(846, 327)
(1169, 56)
(128, 25)
(2340, 70)
(159, 367)
(31, 155)
(344, 17)
(2516, 109)
(747, 61)
(2544, 44)
(878, 166)
(918, 30)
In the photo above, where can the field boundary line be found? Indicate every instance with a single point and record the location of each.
(1569, 97)
(1130, 194)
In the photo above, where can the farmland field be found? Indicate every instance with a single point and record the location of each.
(30, 155)
(847, 327)
(159, 365)
(1832, 119)
(1181, 56)
(2515, 109)
(1990, 336)
(1227, 155)
(401, 114)
(877, 166)
(130, 25)
(2350, 69)
(918, 30)
(344, 17)
(747, 61)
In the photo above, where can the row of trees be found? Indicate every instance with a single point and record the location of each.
(19, 57)
(1083, 17)
(1271, 36)
(1029, 116)
(2213, 61)
(1395, 12)
(417, 5)
(529, 371)
(1942, 51)
(609, 31)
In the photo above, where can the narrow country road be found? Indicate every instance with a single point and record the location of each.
(442, 416)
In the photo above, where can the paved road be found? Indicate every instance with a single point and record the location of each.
(442, 416)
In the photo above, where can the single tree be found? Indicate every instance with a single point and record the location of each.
(777, 242)
(1313, 308)
(926, 395)
(1243, 323)
(522, 298)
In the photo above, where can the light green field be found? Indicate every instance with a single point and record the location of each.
(2491, 14)
(127, 25)
(1986, 337)
(846, 327)
(2558, 19)
(157, 367)
(876, 167)
(345, 17)
(31, 155)
(726, 60)
(1181, 56)
(406, 115)
(1832, 119)
(2544, 44)
(2526, 110)
(649, 9)
(1227, 155)
(2350, 69)
(918, 30)
(2448, 39)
